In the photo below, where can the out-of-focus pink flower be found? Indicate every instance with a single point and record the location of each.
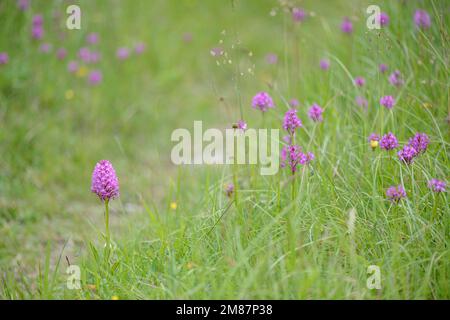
(361, 101)
(389, 142)
(37, 32)
(72, 66)
(360, 81)
(23, 4)
(387, 101)
(419, 142)
(407, 154)
(298, 14)
(291, 121)
(61, 53)
(139, 48)
(288, 139)
(262, 101)
(374, 137)
(347, 26)
(95, 77)
(396, 78)
(92, 38)
(324, 64)
(271, 58)
(292, 156)
(396, 193)
(229, 189)
(241, 124)
(37, 20)
(422, 19)
(383, 19)
(94, 56)
(437, 185)
(4, 58)
(315, 113)
(45, 48)
(84, 54)
(294, 103)
(122, 53)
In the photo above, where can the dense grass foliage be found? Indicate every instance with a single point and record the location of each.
(175, 232)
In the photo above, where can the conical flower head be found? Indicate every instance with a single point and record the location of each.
(262, 101)
(419, 142)
(104, 181)
(396, 193)
(291, 121)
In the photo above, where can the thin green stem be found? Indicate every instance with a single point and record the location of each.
(108, 237)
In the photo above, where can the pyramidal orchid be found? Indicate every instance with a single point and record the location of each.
(106, 186)
(262, 101)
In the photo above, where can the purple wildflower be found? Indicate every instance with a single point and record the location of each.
(271, 58)
(4, 58)
(419, 142)
(94, 57)
(84, 54)
(347, 26)
(45, 48)
(229, 190)
(374, 137)
(298, 14)
(122, 53)
(383, 67)
(95, 77)
(294, 103)
(288, 154)
(395, 194)
(437, 185)
(306, 158)
(361, 101)
(104, 181)
(315, 113)
(37, 20)
(23, 4)
(396, 78)
(288, 139)
(374, 140)
(359, 81)
(387, 101)
(61, 53)
(422, 19)
(72, 66)
(383, 19)
(407, 154)
(291, 121)
(262, 101)
(92, 38)
(292, 156)
(139, 48)
(37, 32)
(241, 124)
(324, 64)
(388, 142)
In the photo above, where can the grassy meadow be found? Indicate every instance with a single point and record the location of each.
(176, 232)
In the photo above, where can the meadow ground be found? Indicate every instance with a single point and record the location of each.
(177, 234)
